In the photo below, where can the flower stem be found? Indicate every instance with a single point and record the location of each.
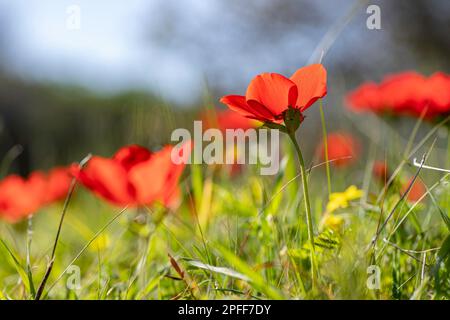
(309, 221)
(325, 145)
(28, 252)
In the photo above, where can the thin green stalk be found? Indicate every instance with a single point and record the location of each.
(309, 221)
(325, 145)
(29, 268)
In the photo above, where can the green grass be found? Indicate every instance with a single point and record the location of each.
(246, 237)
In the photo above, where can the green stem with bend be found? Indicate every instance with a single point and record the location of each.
(309, 221)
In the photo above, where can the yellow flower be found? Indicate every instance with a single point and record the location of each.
(331, 221)
(341, 199)
(100, 243)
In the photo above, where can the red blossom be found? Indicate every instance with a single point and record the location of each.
(269, 95)
(135, 176)
(407, 93)
(21, 197)
(343, 149)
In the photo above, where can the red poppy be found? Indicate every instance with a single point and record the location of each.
(269, 95)
(135, 176)
(407, 93)
(343, 149)
(418, 189)
(21, 197)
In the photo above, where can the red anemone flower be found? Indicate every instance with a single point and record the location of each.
(342, 149)
(20, 197)
(269, 95)
(406, 93)
(135, 176)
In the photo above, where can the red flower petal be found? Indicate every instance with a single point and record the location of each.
(108, 179)
(134, 176)
(365, 97)
(149, 177)
(343, 149)
(58, 184)
(17, 199)
(131, 155)
(176, 170)
(240, 105)
(272, 92)
(157, 178)
(404, 92)
(311, 82)
(438, 92)
(172, 199)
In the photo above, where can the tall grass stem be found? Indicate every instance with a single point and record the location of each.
(325, 146)
(309, 221)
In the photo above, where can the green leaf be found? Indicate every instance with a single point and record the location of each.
(442, 255)
(444, 251)
(326, 240)
(14, 261)
(150, 286)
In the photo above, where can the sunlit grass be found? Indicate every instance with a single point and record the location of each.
(245, 237)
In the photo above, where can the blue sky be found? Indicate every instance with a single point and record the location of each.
(106, 53)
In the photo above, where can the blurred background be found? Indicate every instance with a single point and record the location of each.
(90, 76)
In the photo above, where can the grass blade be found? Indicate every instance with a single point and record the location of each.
(255, 279)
